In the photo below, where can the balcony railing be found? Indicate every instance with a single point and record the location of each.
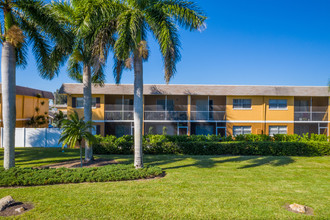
(311, 113)
(165, 116)
(208, 115)
(119, 115)
(311, 116)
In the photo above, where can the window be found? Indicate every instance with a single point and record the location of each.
(277, 130)
(278, 104)
(237, 130)
(242, 104)
(78, 102)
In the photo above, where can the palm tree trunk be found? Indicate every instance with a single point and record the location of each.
(87, 83)
(138, 110)
(8, 72)
(80, 148)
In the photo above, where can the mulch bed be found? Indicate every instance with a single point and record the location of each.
(10, 210)
(76, 164)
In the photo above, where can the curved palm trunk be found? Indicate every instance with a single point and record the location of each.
(8, 72)
(138, 110)
(87, 83)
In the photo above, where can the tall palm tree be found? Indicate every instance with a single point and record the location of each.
(160, 18)
(24, 22)
(84, 19)
(75, 130)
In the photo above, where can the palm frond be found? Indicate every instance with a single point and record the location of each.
(188, 14)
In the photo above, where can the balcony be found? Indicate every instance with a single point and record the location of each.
(118, 115)
(165, 116)
(314, 114)
(208, 115)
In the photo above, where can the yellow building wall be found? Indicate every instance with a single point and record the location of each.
(260, 128)
(25, 109)
(280, 115)
(256, 113)
(97, 113)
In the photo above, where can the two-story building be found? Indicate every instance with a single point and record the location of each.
(207, 109)
(29, 103)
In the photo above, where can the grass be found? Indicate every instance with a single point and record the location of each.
(195, 187)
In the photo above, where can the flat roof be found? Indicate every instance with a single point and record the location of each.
(20, 90)
(211, 90)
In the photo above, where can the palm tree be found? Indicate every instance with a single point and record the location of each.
(160, 17)
(84, 19)
(75, 130)
(25, 22)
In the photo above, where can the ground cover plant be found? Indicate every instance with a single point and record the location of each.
(195, 187)
(34, 176)
(279, 145)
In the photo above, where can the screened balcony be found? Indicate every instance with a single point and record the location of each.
(311, 109)
(165, 108)
(208, 108)
(118, 108)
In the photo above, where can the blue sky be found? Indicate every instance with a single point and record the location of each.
(255, 42)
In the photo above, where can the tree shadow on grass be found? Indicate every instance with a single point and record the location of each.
(212, 161)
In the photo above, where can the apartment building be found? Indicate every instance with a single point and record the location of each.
(207, 109)
(29, 103)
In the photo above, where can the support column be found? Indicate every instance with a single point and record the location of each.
(189, 114)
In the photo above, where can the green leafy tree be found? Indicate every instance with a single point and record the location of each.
(59, 98)
(75, 130)
(23, 23)
(160, 18)
(58, 118)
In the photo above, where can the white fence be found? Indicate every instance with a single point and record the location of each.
(36, 137)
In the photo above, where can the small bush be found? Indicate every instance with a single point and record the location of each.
(33, 176)
(279, 145)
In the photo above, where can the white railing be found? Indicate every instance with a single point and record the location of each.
(36, 137)
(208, 115)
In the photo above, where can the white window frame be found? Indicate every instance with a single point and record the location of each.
(277, 103)
(243, 131)
(242, 104)
(278, 128)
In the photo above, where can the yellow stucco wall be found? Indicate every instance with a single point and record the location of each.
(280, 115)
(97, 113)
(26, 108)
(256, 113)
(260, 128)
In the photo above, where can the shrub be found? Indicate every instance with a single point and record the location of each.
(34, 176)
(279, 145)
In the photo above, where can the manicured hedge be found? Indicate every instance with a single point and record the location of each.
(34, 176)
(280, 145)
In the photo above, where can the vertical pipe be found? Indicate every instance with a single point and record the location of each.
(189, 114)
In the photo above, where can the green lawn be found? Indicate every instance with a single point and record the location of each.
(195, 187)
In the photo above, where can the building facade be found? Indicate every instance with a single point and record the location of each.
(29, 103)
(207, 109)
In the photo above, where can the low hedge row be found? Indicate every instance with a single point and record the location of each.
(34, 176)
(160, 144)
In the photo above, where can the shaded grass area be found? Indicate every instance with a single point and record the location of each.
(195, 187)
